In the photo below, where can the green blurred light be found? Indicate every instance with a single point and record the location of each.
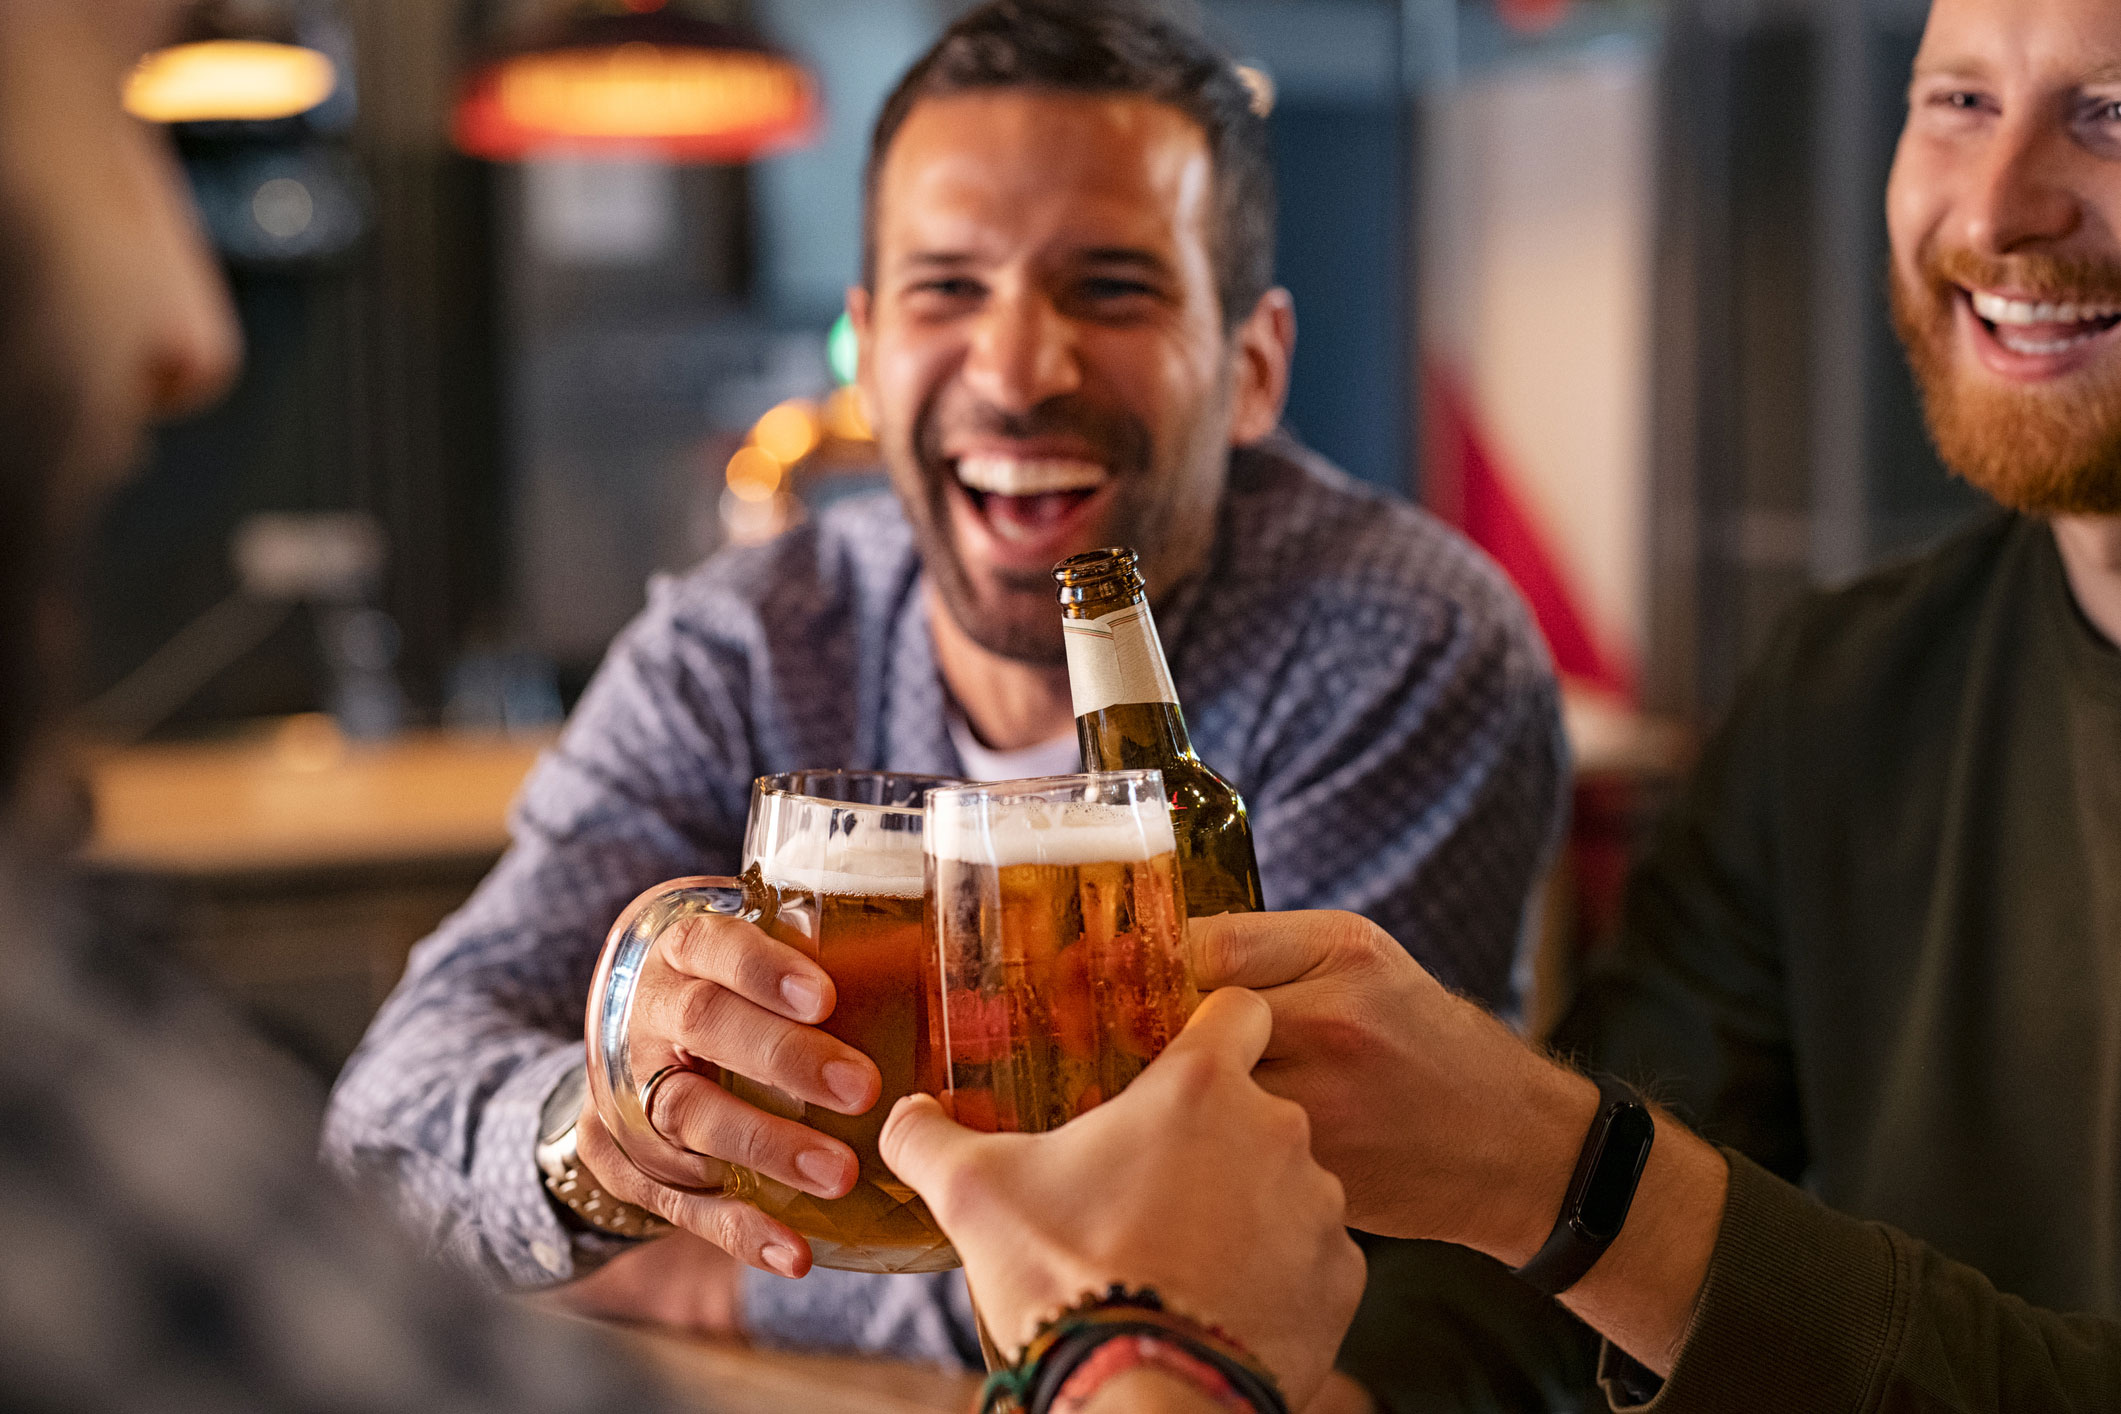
(843, 351)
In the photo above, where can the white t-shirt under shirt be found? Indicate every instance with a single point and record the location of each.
(1056, 756)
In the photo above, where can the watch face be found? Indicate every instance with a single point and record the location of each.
(1614, 1173)
(564, 1105)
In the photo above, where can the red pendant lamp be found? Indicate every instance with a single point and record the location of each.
(1533, 16)
(636, 78)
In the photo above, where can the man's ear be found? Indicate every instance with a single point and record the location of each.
(858, 308)
(1266, 343)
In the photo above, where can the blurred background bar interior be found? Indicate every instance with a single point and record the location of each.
(544, 298)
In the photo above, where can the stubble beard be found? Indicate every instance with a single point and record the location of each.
(2047, 451)
(1017, 617)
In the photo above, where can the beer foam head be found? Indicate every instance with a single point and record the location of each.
(822, 857)
(1005, 833)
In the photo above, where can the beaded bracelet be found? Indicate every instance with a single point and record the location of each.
(1091, 1342)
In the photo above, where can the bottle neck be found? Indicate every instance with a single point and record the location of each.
(1114, 657)
(1134, 736)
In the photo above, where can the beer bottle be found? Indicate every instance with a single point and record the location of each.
(1127, 718)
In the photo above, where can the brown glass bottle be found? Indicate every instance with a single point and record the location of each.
(1127, 718)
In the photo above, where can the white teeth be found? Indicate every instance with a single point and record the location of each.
(1998, 310)
(2018, 343)
(1029, 476)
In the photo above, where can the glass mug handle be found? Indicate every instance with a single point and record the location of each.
(613, 1086)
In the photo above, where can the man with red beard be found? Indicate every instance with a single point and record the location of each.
(1878, 949)
(1070, 338)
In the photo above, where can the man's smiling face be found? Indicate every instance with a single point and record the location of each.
(2005, 214)
(1044, 353)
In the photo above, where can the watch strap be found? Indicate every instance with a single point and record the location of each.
(1611, 1168)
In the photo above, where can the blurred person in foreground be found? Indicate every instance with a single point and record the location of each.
(168, 1241)
(1875, 953)
(1070, 338)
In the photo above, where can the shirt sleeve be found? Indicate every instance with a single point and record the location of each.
(1410, 769)
(1805, 1308)
(438, 1110)
(1691, 1005)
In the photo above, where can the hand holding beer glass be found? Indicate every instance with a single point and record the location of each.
(700, 1065)
(1020, 946)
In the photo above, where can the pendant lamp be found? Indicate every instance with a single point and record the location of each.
(238, 61)
(656, 78)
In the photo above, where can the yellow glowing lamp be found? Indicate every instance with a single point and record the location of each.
(657, 83)
(754, 475)
(789, 432)
(229, 80)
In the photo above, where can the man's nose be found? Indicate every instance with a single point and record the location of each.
(193, 353)
(2021, 195)
(190, 343)
(1023, 353)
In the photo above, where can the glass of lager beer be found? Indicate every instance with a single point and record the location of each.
(833, 868)
(1058, 916)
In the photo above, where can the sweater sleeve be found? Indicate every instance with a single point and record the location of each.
(1805, 1308)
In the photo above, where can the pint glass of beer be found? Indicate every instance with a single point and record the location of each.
(833, 868)
(1058, 916)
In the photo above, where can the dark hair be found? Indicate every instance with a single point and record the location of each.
(1109, 47)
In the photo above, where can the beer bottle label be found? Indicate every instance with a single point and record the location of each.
(1116, 660)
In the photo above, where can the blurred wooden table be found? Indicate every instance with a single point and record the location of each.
(296, 869)
(298, 796)
(727, 1377)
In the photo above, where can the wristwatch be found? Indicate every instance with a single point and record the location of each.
(571, 1185)
(1600, 1191)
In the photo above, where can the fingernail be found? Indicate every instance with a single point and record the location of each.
(781, 1259)
(823, 1168)
(848, 1082)
(803, 995)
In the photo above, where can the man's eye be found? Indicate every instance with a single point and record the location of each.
(1109, 289)
(948, 288)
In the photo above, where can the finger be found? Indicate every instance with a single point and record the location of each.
(708, 1020)
(618, 1174)
(924, 1146)
(739, 1229)
(1231, 1026)
(1260, 949)
(694, 1113)
(744, 958)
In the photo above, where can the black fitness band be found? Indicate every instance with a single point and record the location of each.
(1608, 1168)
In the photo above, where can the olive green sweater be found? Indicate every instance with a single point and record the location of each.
(1878, 950)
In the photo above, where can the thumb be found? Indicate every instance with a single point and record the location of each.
(921, 1143)
(1231, 1027)
(1257, 949)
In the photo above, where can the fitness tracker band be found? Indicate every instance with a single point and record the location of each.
(1607, 1169)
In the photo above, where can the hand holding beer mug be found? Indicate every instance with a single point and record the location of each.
(700, 1067)
(1059, 920)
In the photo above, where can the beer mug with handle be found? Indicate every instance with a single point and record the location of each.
(832, 867)
(1058, 916)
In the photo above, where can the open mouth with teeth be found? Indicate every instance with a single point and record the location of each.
(1024, 500)
(2045, 328)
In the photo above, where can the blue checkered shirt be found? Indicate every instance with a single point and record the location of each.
(168, 1243)
(1369, 682)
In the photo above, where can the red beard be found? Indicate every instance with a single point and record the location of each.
(2041, 450)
